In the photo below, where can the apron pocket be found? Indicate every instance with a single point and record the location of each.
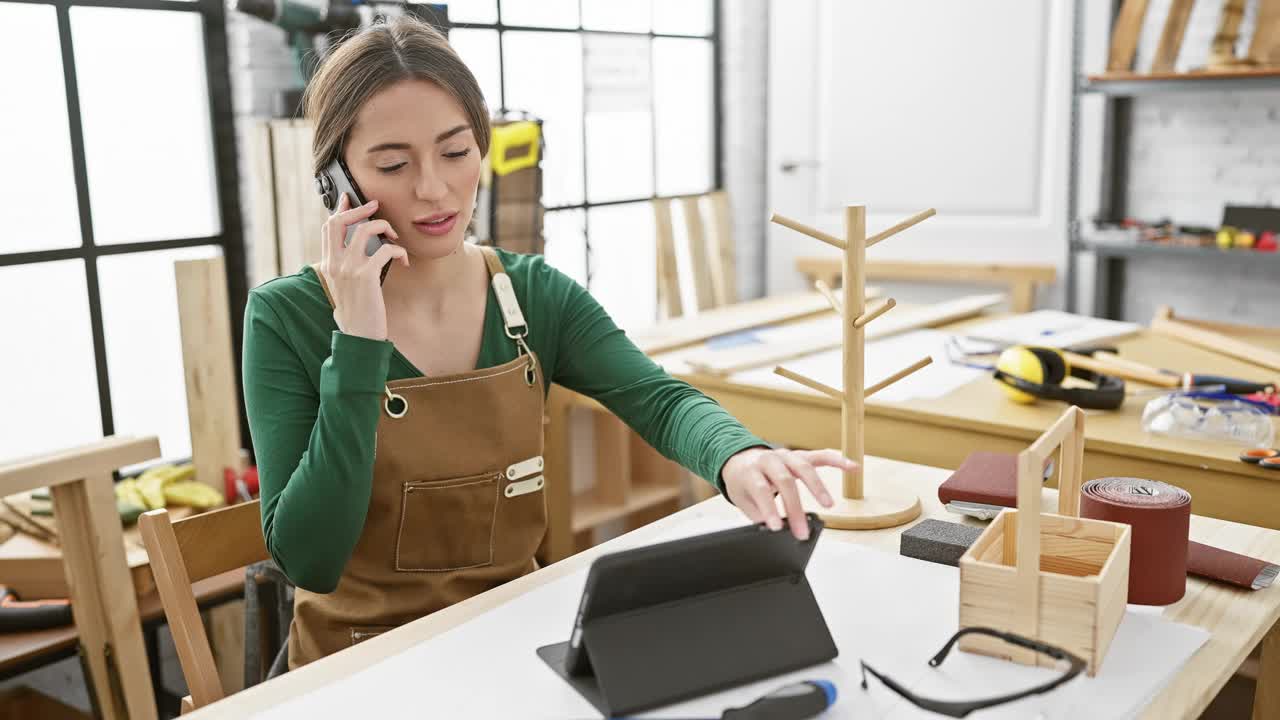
(360, 634)
(447, 524)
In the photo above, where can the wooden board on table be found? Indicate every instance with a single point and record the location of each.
(682, 332)
(725, 362)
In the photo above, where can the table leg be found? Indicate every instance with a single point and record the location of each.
(1266, 699)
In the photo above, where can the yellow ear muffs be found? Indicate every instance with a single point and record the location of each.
(1020, 362)
(1029, 372)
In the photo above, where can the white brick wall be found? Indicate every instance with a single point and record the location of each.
(1190, 155)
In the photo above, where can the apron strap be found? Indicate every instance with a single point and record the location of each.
(512, 317)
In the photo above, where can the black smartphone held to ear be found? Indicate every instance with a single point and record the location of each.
(331, 183)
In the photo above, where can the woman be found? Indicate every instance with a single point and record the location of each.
(398, 427)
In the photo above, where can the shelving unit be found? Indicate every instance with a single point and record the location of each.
(1118, 90)
(1111, 259)
(1122, 84)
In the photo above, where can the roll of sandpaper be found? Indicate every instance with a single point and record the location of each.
(1160, 515)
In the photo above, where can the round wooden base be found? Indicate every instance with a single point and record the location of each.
(882, 506)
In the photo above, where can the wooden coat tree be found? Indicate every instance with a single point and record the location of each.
(857, 507)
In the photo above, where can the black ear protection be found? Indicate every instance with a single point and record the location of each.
(1027, 372)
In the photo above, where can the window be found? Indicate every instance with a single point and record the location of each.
(626, 92)
(121, 161)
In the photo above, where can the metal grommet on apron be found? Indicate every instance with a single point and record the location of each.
(457, 505)
(395, 405)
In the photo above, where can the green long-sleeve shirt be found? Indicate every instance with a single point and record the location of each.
(313, 396)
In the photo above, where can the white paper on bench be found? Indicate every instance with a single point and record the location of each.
(891, 611)
(1053, 328)
(883, 358)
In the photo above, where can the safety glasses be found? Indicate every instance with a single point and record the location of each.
(958, 708)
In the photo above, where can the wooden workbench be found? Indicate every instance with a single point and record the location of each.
(978, 416)
(1237, 620)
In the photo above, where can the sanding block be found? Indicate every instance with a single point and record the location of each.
(938, 541)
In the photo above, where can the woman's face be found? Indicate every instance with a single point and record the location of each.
(413, 150)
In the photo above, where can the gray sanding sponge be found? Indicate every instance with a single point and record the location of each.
(938, 541)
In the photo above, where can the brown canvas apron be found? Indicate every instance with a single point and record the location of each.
(457, 506)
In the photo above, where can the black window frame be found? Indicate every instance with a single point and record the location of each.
(222, 126)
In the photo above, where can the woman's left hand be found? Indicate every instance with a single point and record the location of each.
(754, 477)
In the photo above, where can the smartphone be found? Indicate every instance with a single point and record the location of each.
(331, 184)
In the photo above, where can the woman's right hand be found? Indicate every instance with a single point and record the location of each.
(353, 277)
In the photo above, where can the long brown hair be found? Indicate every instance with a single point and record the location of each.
(375, 58)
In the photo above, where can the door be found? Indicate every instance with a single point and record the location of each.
(910, 104)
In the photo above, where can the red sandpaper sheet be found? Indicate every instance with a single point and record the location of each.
(983, 477)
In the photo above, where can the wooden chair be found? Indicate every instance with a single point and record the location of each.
(1020, 279)
(190, 550)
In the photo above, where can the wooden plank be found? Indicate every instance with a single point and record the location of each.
(751, 314)
(1165, 324)
(213, 407)
(264, 260)
(1124, 34)
(725, 270)
(63, 466)
(1264, 48)
(703, 286)
(681, 332)
(299, 212)
(102, 596)
(174, 586)
(726, 362)
(1175, 27)
(669, 300)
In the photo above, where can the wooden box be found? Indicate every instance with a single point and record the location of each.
(1061, 579)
